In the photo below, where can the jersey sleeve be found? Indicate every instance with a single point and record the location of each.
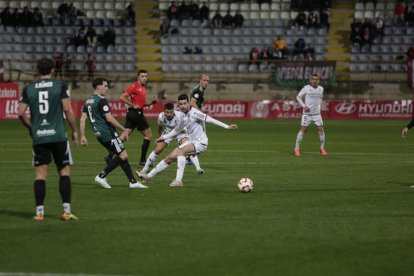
(64, 93)
(200, 116)
(103, 107)
(23, 97)
(130, 89)
(300, 95)
(160, 121)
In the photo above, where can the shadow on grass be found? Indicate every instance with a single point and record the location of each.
(19, 214)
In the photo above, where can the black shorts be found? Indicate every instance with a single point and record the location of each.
(42, 154)
(135, 119)
(114, 146)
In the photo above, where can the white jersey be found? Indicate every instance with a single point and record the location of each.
(312, 98)
(169, 125)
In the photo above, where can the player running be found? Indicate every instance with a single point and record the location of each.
(167, 121)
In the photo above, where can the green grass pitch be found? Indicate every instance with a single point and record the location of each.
(350, 213)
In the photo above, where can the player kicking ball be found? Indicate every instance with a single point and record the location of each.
(310, 98)
(192, 120)
(104, 125)
(167, 121)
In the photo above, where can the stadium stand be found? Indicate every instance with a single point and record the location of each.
(22, 43)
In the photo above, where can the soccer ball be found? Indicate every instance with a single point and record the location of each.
(245, 185)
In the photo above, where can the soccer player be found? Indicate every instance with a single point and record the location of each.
(310, 98)
(104, 125)
(48, 99)
(167, 121)
(135, 116)
(197, 94)
(192, 120)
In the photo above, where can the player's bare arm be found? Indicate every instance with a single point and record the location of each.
(151, 102)
(125, 98)
(83, 141)
(70, 117)
(21, 111)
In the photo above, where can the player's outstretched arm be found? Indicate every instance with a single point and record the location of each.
(233, 127)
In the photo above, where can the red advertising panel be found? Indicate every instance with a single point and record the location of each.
(227, 109)
(9, 95)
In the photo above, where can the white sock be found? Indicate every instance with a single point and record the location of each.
(322, 139)
(40, 210)
(159, 168)
(194, 159)
(180, 168)
(299, 138)
(66, 208)
(151, 159)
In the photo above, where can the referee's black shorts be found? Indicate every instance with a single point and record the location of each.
(135, 119)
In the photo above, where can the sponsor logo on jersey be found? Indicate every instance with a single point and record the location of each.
(44, 123)
(45, 132)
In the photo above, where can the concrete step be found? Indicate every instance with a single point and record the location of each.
(149, 58)
(142, 49)
(337, 57)
(148, 41)
(337, 50)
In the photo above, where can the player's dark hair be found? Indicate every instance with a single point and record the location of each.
(183, 97)
(97, 81)
(45, 66)
(142, 71)
(315, 75)
(168, 106)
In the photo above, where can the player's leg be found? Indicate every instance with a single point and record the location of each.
(41, 160)
(305, 121)
(188, 148)
(63, 159)
(196, 162)
(159, 148)
(145, 145)
(115, 145)
(321, 133)
(128, 172)
(162, 165)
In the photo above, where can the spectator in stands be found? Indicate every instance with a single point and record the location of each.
(130, 12)
(26, 17)
(238, 20)
(90, 36)
(59, 60)
(217, 20)
(193, 10)
(172, 12)
(165, 27)
(410, 53)
(300, 20)
(378, 28)
(16, 19)
(62, 10)
(228, 20)
(79, 38)
(366, 37)
(90, 66)
(410, 16)
(183, 11)
(254, 55)
(37, 18)
(309, 52)
(204, 12)
(313, 20)
(6, 17)
(71, 12)
(279, 48)
(299, 49)
(108, 37)
(266, 54)
(324, 19)
(399, 11)
(356, 32)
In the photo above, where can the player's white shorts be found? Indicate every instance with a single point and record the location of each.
(177, 138)
(308, 119)
(199, 147)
